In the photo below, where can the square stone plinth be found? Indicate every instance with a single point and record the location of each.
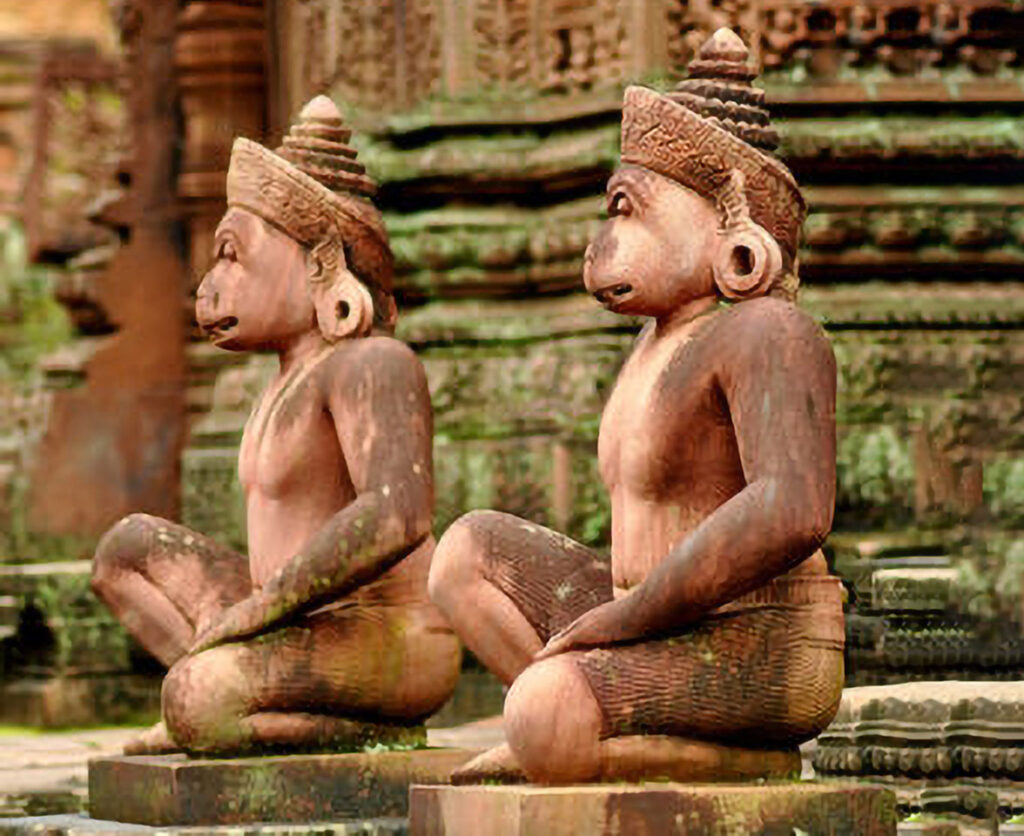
(653, 810)
(175, 790)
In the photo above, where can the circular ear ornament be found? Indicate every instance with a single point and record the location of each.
(747, 263)
(343, 310)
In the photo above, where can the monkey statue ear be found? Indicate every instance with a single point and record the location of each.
(343, 310)
(344, 307)
(747, 263)
(748, 260)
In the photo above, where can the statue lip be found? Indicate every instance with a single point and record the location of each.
(614, 294)
(220, 329)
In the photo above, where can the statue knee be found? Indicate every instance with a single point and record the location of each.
(204, 701)
(553, 723)
(123, 548)
(456, 561)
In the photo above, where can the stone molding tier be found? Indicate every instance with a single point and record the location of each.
(947, 762)
(940, 730)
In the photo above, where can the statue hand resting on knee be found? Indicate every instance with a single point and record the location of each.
(327, 621)
(711, 644)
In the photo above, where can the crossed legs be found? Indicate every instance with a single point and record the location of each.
(507, 585)
(298, 687)
(331, 678)
(642, 709)
(165, 582)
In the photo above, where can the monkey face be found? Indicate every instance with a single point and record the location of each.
(655, 252)
(256, 295)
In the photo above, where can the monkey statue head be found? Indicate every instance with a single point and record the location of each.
(301, 246)
(701, 207)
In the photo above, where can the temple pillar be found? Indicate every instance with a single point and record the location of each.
(220, 57)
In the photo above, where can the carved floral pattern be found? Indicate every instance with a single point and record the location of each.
(572, 46)
(501, 29)
(387, 54)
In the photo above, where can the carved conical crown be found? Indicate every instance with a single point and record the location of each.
(719, 89)
(711, 127)
(313, 189)
(318, 146)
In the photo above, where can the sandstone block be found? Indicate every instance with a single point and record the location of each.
(652, 810)
(175, 790)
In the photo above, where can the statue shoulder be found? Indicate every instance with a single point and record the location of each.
(380, 358)
(755, 331)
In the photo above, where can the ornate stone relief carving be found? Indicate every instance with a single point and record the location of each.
(907, 39)
(583, 46)
(367, 53)
(502, 29)
(690, 22)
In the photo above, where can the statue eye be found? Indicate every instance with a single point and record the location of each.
(619, 205)
(226, 250)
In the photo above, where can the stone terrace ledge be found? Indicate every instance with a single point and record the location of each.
(652, 810)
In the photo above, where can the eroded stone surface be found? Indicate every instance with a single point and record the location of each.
(326, 619)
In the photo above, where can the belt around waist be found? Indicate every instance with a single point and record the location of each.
(815, 591)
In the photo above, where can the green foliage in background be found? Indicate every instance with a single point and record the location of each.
(1003, 488)
(86, 634)
(990, 576)
(875, 471)
(32, 323)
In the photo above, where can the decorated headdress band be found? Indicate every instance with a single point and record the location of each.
(310, 184)
(715, 123)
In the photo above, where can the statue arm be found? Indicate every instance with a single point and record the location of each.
(381, 410)
(380, 406)
(779, 383)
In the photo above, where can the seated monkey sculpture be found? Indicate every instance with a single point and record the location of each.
(711, 645)
(327, 621)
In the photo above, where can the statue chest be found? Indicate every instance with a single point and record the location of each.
(290, 446)
(665, 431)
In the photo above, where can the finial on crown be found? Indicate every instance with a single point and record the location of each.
(719, 89)
(318, 146)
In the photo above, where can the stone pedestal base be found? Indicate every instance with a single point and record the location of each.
(652, 810)
(173, 790)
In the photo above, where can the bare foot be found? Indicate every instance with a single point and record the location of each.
(497, 765)
(153, 741)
